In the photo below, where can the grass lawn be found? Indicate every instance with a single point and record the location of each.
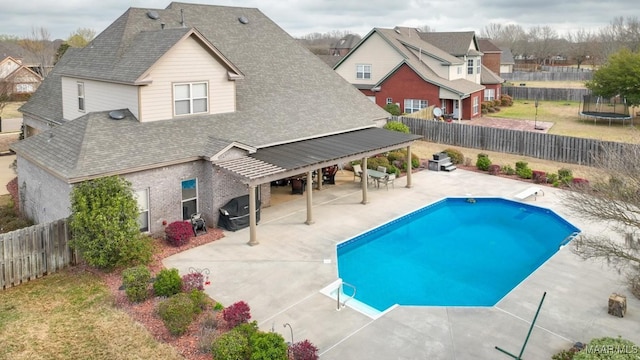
(567, 121)
(10, 111)
(69, 315)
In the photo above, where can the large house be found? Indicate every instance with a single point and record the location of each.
(17, 81)
(416, 69)
(194, 105)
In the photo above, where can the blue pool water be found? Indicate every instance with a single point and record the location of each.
(455, 252)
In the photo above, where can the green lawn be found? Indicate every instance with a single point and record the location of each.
(69, 315)
(567, 120)
(10, 110)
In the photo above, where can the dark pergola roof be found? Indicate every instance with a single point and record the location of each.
(279, 161)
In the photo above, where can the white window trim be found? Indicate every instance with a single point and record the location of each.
(469, 66)
(476, 105)
(82, 104)
(143, 210)
(489, 94)
(478, 65)
(413, 106)
(191, 98)
(362, 73)
(182, 201)
(389, 101)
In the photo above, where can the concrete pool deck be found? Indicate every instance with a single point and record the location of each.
(282, 277)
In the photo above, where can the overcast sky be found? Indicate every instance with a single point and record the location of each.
(301, 17)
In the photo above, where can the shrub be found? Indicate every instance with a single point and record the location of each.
(565, 176)
(178, 233)
(580, 181)
(455, 155)
(199, 299)
(374, 162)
(468, 161)
(565, 354)
(397, 126)
(192, 281)
(393, 109)
(236, 314)
(506, 100)
(483, 162)
(136, 283)
(104, 221)
(303, 350)
(267, 345)
(552, 178)
(218, 307)
(231, 346)
(139, 251)
(508, 170)
(397, 155)
(539, 177)
(523, 171)
(177, 313)
(167, 283)
(494, 169)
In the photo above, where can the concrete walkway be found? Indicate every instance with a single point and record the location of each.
(282, 277)
(6, 173)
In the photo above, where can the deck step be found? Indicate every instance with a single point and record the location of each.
(450, 168)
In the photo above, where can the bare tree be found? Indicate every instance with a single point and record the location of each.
(492, 31)
(41, 49)
(543, 40)
(613, 198)
(580, 46)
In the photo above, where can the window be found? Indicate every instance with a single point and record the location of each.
(191, 98)
(470, 66)
(414, 105)
(142, 196)
(363, 71)
(189, 198)
(24, 88)
(489, 94)
(81, 96)
(389, 101)
(476, 105)
(478, 64)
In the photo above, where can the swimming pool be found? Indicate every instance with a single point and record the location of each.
(455, 252)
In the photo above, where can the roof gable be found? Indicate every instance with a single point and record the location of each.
(455, 43)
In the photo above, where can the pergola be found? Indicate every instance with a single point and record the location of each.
(305, 156)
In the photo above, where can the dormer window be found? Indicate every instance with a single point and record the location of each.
(191, 98)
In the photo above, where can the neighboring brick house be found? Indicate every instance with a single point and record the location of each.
(491, 59)
(194, 105)
(16, 80)
(419, 69)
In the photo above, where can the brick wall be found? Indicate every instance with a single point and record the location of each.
(43, 197)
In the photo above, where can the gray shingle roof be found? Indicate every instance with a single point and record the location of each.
(455, 43)
(489, 77)
(287, 94)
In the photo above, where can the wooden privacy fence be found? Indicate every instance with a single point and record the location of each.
(530, 93)
(566, 149)
(547, 76)
(33, 252)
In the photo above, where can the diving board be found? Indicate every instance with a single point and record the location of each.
(531, 191)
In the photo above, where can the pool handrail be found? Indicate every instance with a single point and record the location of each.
(342, 283)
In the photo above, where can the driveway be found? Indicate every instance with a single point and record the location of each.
(282, 278)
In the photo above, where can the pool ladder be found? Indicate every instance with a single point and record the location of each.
(569, 238)
(340, 287)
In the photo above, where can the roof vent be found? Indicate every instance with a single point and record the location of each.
(116, 114)
(153, 15)
(243, 20)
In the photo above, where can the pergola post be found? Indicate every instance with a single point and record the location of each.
(252, 216)
(364, 180)
(319, 178)
(309, 199)
(409, 167)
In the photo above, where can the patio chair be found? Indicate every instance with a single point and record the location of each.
(387, 180)
(382, 169)
(357, 172)
(198, 224)
(329, 175)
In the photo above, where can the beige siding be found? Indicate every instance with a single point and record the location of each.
(98, 96)
(188, 61)
(376, 52)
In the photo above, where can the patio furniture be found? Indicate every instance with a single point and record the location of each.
(388, 179)
(329, 174)
(382, 169)
(234, 215)
(357, 172)
(375, 175)
(198, 224)
(298, 185)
